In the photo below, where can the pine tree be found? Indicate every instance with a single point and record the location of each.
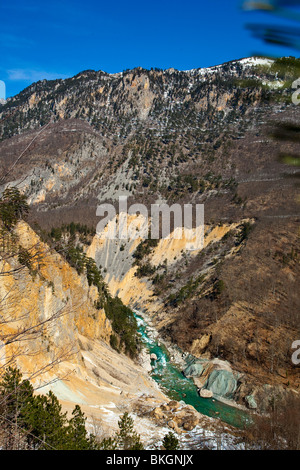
(14, 393)
(170, 441)
(13, 206)
(108, 443)
(37, 421)
(46, 423)
(78, 438)
(14, 397)
(127, 438)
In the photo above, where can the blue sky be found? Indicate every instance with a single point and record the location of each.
(58, 39)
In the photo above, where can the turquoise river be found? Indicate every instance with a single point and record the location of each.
(176, 386)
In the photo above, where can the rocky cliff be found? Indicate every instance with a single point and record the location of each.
(51, 330)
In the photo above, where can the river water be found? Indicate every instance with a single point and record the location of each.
(176, 386)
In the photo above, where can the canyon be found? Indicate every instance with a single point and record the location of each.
(223, 137)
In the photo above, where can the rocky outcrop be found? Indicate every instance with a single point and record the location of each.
(179, 417)
(221, 383)
(115, 256)
(204, 393)
(50, 285)
(214, 378)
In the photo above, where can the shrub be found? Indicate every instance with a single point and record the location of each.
(13, 206)
(170, 441)
(31, 421)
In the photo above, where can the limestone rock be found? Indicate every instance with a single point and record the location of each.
(200, 381)
(176, 416)
(204, 393)
(56, 287)
(173, 425)
(195, 369)
(190, 422)
(222, 383)
(173, 405)
(165, 408)
(250, 400)
(213, 375)
(157, 413)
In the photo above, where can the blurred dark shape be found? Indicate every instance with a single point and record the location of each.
(271, 5)
(278, 35)
(289, 37)
(258, 6)
(275, 34)
(290, 159)
(288, 132)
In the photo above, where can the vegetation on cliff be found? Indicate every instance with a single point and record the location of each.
(126, 438)
(36, 422)
(32, 421)
(68, 241)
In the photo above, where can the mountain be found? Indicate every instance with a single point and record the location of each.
(143, 133)
(209, 136)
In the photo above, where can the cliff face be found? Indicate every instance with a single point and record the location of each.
(50, 306)
(50, 286)
(116, 258)
(111, 101)
(58, 339)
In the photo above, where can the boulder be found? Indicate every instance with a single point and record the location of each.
(215, 376)
(153, 357)
(173, 405)
(200, 381)
(204, 393)
(173, 425)
(250, 400)
(178, 419)
(165, 407)
(157, 413)
(194, 369)
(190, 422)
(221, 383)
